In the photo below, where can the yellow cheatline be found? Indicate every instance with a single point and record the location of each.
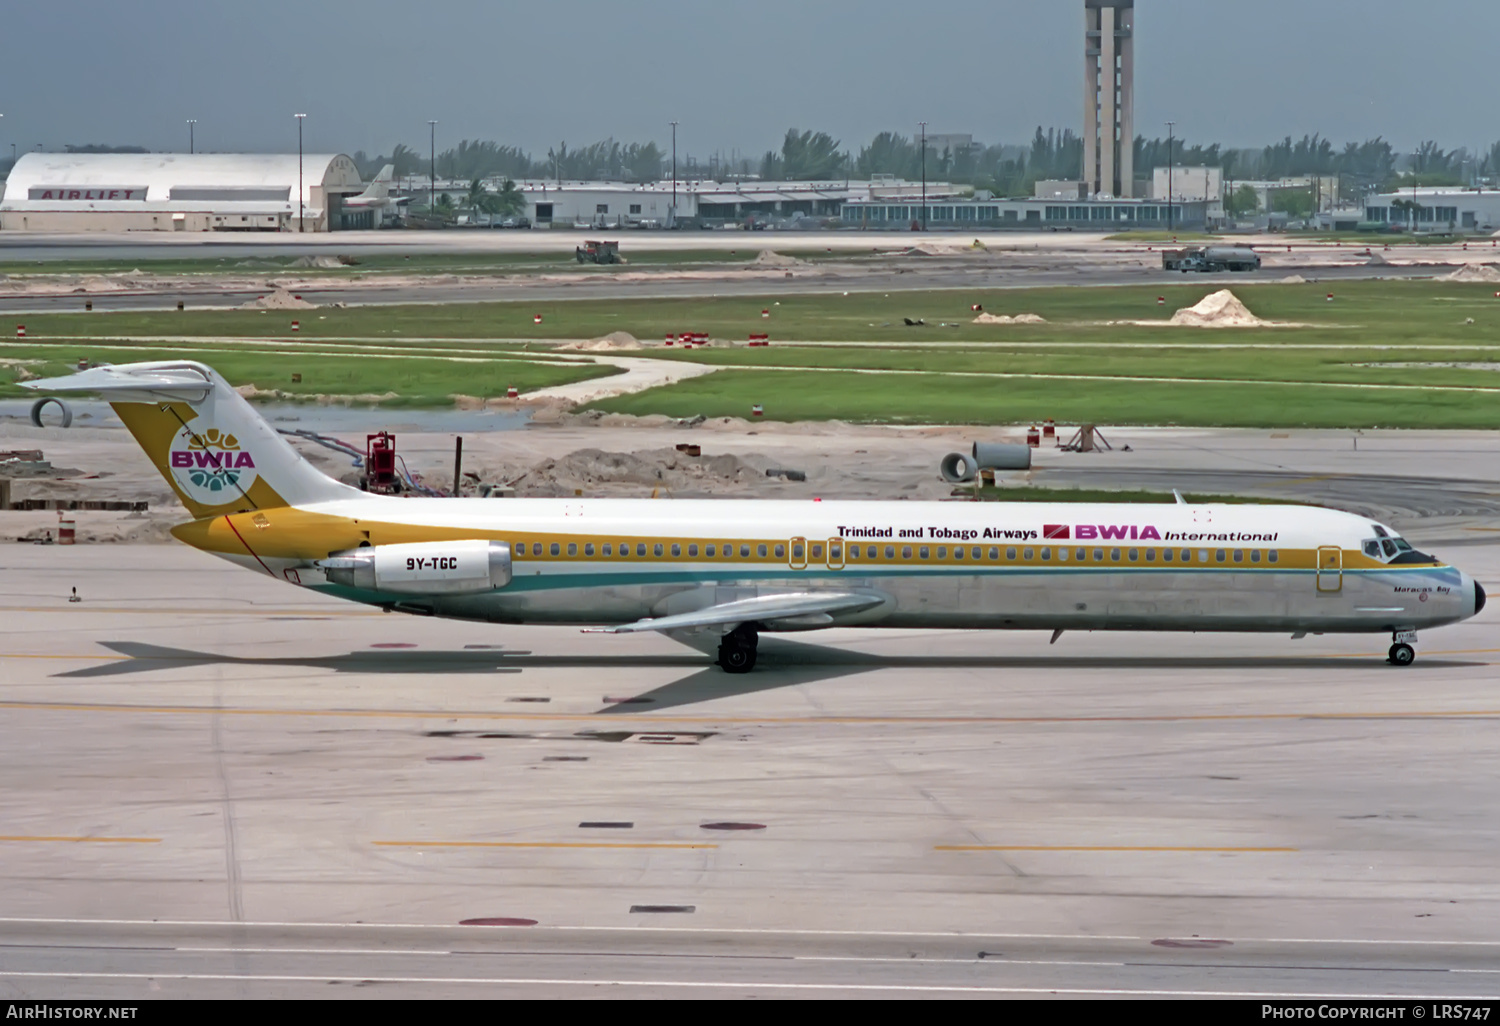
(1170, 849)
(534, 844)
(84, 840)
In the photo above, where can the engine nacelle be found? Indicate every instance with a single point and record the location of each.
(423, 568)
(958, 468)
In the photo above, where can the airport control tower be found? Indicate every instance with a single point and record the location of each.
(1109, 97)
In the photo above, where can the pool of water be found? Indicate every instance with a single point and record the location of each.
(306, 417)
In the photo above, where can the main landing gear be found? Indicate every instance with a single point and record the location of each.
(1401, 653)
(737, 650)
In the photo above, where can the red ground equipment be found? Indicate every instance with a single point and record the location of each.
(380, 464)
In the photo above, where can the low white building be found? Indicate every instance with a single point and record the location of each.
(82, 192)
(1436, 209)
(1188, 184)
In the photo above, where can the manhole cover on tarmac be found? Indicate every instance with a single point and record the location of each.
(497, 921)
(1192, 942)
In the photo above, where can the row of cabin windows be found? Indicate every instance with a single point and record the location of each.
(859, 553)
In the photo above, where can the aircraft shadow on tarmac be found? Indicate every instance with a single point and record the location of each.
(782, 664)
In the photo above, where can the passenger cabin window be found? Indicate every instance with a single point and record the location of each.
(656, 550)
(744, 552)
(942, 552)
(890, 552)
(556, 549)
(693, 550)
(588, 550)
(817, 552)
(1134, 555)
(1239, 555)
(1151, 555)
(1166, 555)
(1255, 555)
(1114, 555)
(1271, 556)
(925, 553)
(676, 550)
(1027, 555)
(995, 555)
(797, 553)
(906, 552)
(1220, 556)
(760, 550)
(1010, 553)
(1098, 555)
(710, 550)
(835, 551)
(781, 552)
(640, 548)
(609, 550)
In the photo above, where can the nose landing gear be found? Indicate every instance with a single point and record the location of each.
(1402, 653)
(737, 650)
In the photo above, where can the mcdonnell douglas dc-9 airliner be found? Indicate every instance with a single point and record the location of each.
(716, 574)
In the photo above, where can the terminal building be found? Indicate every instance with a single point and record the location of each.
(165, 192)
(1045, 214)
(1436, 209)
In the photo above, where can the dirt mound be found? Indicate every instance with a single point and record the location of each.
(989, 318)
(280, 299)
(1488, 273)
(770, 258)
(325, 262)
(1292, 279)
(637, 473)
(614, 342)
(938, 249)
(1221, 309)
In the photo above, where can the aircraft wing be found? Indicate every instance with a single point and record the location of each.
(806, 609)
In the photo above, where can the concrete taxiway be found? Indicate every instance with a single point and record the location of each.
(218, 785)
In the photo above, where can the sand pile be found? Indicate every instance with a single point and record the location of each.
(325, 262)
(280, 299)
(770, 258)
(989, 318)
(1292, 279)
(938, 249)
(1221, 309)
(614, 342)
(1487, 273)
(637, 473)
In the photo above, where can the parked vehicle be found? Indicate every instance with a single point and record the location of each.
(1210, 258)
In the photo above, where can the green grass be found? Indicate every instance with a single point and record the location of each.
(947, 371)
(918, 398)
(418, 381)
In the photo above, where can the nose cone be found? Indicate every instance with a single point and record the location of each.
(1478, 598)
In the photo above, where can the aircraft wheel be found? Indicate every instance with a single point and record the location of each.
(737, 651)
(1402, 655)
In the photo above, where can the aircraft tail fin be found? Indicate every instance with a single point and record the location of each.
(217, 453)
(387, 174)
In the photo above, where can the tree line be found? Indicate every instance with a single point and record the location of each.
(1004, 169)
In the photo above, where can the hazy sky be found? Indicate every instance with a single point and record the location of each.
(371, 73)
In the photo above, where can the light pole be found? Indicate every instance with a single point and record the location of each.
(432, 168)
(924, 174)
(190, 123)
(301, 225)
(1171, 127)
(673, 208)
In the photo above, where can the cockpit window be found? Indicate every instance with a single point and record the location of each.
(1380, 532)
(1389, 546)
(1372, 549)
(1402, 545)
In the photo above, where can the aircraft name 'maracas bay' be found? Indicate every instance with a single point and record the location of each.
(715, 574)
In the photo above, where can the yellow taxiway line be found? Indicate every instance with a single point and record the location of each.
(1169, 849)
(538, 844)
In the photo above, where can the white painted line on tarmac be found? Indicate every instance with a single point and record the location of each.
(728, 985)
(749, 931)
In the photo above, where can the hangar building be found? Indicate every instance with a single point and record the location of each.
(114, 192)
